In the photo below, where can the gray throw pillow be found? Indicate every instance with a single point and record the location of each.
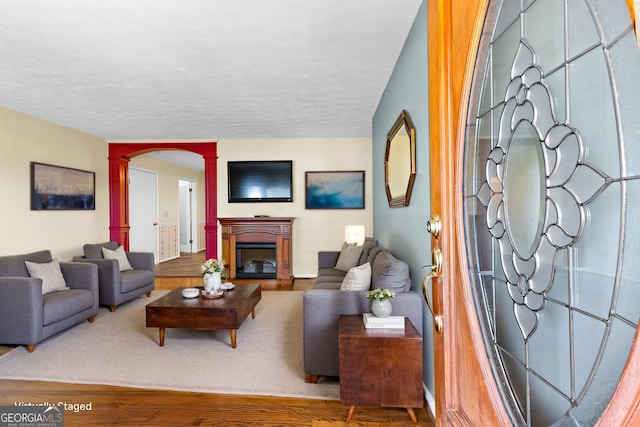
(349, 257)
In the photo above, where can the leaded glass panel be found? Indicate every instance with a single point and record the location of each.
(551, 166)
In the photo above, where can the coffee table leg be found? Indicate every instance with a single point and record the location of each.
(161, 331)
(253, 313)
(233, 337)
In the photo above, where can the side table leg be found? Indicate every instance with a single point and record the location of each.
(253, 313)
(412, 414)
(233, 337)
(161, 331)
(352, 410)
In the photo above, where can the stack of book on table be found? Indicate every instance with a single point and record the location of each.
(391, 322)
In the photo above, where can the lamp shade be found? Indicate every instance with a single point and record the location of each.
(354, 234)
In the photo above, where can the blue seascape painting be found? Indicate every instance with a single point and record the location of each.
(335, 190)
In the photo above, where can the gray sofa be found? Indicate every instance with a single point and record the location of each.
(323, 305)
(27, 316)
(117, 287)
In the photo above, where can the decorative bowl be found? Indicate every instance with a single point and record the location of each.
(212, 294)
(190, 293)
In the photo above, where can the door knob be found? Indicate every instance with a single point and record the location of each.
(436, 271)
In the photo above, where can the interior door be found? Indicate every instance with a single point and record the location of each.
(143, 211)
(185, 200)
(486, 373)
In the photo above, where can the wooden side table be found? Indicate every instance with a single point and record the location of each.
(379, 367)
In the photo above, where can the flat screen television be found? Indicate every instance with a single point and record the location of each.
(260, 181)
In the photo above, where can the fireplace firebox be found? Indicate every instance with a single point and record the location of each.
(256, 260)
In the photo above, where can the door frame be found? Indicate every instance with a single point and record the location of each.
(466, 393)
(119, 156)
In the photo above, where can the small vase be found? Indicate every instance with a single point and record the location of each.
(212, 282)
(381, 308)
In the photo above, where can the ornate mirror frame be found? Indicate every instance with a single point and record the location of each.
(400, 161)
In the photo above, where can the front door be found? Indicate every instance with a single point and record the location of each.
(534, 148)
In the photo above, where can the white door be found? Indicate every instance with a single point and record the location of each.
(186, 210)
(143, 211)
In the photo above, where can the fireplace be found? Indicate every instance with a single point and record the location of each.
(258, 250)
(256, 260)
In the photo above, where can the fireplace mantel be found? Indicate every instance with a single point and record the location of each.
(266, 229)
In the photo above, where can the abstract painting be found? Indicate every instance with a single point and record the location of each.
(334, 190)
(61, 188)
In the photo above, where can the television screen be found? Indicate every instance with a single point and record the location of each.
(260, 181)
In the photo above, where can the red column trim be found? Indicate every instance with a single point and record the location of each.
(119, 156)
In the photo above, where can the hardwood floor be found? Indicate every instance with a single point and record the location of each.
(123, 406)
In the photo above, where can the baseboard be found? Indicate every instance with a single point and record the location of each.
(305, 276)
(431, 403)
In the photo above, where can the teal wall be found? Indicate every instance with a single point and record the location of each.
(403, 230)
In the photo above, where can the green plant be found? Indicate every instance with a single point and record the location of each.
(380, 294)
(212, 265)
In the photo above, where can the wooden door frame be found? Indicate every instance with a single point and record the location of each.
(119, 157)
(465, 389)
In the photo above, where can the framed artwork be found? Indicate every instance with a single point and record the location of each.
(61, 188)
(334, 190)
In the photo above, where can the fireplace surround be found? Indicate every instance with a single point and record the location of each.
(258, 250)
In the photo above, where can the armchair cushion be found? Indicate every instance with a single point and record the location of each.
(120, 256)
(49, 273)
(61, 305)
(135, 279)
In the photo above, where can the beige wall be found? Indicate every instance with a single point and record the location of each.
(24, 139)
(315, 229)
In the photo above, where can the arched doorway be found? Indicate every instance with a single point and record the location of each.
(119, 156)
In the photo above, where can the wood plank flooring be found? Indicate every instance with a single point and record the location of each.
(124, 406)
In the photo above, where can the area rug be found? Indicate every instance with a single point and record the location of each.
(118, 349)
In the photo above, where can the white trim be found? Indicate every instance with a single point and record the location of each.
(431, 403)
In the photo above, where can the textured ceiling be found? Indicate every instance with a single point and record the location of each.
(201, 69)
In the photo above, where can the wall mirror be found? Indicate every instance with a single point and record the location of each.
(400, 161)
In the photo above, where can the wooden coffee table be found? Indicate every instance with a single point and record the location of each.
(228, 312)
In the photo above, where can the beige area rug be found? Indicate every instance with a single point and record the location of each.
(118, 349)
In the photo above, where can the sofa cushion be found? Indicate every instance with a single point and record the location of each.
(94, 250)
(13, 265)
(357, 279)
(369, 243)
(349, 257)
(119, 255)
(50, 273)
(135, 279)
(390, 273)
(60, 305)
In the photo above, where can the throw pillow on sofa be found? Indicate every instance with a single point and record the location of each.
(357, 278)
(50, 273)
(349, 257)
(119, 255)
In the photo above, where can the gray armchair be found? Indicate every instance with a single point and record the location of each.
(115, 286)
(27, 317)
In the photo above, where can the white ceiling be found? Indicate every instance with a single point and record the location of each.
(201, 69)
